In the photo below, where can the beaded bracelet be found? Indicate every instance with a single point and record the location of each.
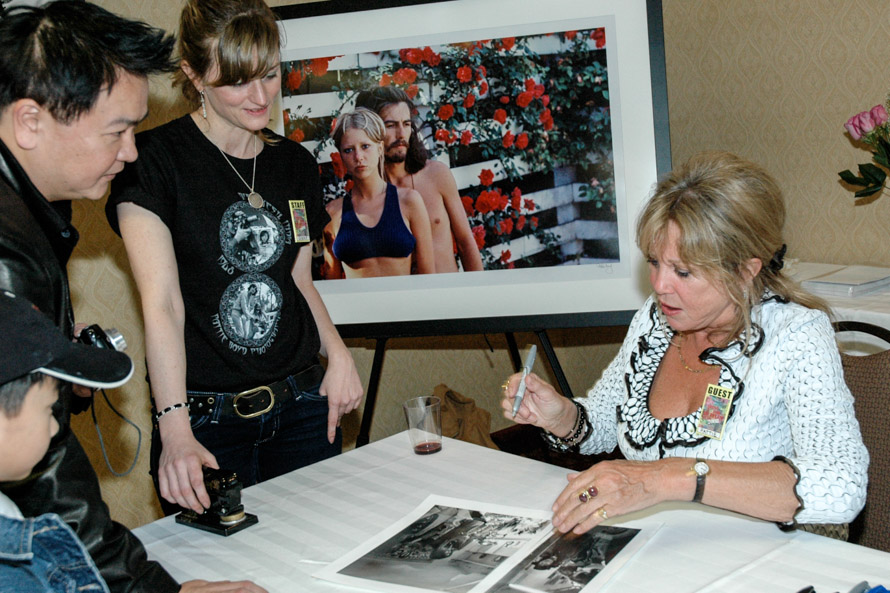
(170, 409)
(580, 431)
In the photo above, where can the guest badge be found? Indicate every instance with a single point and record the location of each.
(714, 411)
(298, 220)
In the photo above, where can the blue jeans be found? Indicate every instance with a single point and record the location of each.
(290, 436)
(43, 555)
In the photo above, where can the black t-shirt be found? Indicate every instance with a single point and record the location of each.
(246, 323)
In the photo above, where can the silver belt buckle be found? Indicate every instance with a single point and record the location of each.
(249, 393)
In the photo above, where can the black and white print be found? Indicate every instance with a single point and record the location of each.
(251, 239)
(250, 309)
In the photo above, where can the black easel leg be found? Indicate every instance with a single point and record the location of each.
(554, 362)
(514, 351)
(364, 433)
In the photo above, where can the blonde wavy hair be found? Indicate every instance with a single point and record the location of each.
(728, 211)
(368, 122)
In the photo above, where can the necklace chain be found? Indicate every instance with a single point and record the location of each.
(255, 199)
(683, 359)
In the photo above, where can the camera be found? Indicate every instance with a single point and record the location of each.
(110, 338)
(225, 515)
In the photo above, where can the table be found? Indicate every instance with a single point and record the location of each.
(871, 308)
(316, 514)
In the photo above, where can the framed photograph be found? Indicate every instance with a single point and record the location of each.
(552, 124)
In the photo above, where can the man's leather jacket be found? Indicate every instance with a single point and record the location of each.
(36, 240)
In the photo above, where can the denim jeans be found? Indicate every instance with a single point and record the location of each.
(43, 555)
(290, 436)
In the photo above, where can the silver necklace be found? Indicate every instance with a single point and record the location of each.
(253, 198)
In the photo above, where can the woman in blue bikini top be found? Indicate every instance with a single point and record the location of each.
(377, 229)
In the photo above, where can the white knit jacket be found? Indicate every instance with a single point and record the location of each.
(790, 400)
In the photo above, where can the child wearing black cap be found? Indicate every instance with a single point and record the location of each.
(41, 553)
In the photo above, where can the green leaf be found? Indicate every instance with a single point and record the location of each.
(848, 176)
(868, 191)
(872, 173)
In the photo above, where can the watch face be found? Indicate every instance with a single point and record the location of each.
(701, 468)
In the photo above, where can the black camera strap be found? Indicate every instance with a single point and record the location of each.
(102, 441)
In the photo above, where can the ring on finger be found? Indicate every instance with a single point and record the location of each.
(602, 513)
(505, 385)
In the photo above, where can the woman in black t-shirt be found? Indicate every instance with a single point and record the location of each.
(218, 215)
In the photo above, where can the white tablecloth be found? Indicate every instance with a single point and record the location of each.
(313, 516)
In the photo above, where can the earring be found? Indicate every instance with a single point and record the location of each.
(203, 106)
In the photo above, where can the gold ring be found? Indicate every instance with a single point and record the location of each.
(505, 385)
(602, 513)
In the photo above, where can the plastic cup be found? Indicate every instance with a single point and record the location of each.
(424, 416)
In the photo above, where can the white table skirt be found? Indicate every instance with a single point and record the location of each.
(314, 515)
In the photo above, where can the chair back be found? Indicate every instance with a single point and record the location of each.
(868, 378)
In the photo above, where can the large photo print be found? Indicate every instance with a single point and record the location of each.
(506, 154)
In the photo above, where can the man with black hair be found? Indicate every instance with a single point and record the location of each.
(73, 87)
(408, 165)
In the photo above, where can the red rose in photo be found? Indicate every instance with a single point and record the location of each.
(465, 74)
(412, 91)
(534, 222)
(339, 167)
(545, 100)
(505, 256)
(285, 115)
(539, 90)
(452, 137)
(507, 43)
(466, 137)
(522, 141)
(499, 200)
(570, 35)
(599, 35)
(507, 140)
(515, 198)
(349, 185)
(483, 88)
(506, 226)
(319, 66)
(528, 204)
(505, 99)
(431, 57)
(483, 203)
(297, 135)
(486, 177)
(405, 76)
(479, 236)
(525, 98)
(441, 135)
(481, 72)
(467, 201)
(445, 112)
(412, 55)
(529, 84)
(385, 80)
(500, 116)
(520, 223)
(546, 118)
(469, 100)
(294, 79)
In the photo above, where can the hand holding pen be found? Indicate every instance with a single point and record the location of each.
(526, 369)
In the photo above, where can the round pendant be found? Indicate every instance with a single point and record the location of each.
(255, 199)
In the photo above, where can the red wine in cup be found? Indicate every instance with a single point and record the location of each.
(427, 448)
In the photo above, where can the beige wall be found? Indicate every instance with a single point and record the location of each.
(773, 80)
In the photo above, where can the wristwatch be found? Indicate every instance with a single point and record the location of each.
(701, 469)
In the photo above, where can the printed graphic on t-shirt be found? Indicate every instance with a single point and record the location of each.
(251, 239)
(249, 311)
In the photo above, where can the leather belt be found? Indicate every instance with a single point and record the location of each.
(257, 401)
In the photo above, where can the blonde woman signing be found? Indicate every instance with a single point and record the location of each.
(377, 229)
(728, 389)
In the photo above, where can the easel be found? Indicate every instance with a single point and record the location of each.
(382, 332)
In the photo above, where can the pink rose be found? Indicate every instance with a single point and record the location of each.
(866, 122)
(879, 115)
(852, 127)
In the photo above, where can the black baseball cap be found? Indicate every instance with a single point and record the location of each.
(30, 342)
